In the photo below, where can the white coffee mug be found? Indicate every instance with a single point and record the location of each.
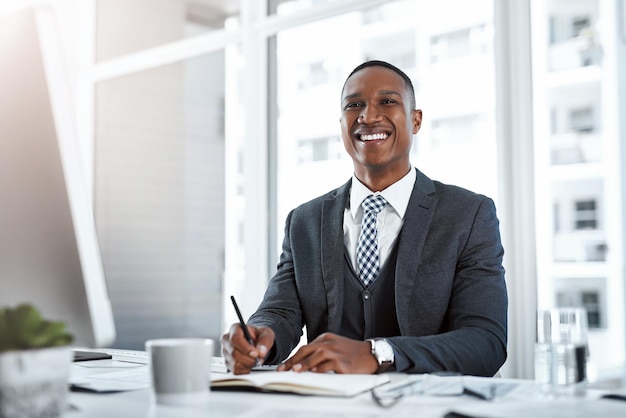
(180, 370)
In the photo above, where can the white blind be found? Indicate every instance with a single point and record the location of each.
(159, 194)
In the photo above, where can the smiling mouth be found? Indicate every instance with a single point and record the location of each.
(373, 137)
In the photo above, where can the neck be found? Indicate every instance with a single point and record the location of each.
(379, 181)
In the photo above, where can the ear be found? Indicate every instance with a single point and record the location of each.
(416, 116)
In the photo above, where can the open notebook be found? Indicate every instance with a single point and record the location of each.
(305, 383)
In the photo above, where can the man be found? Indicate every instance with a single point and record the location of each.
(417, 286)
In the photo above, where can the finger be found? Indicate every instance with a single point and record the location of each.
(264, 339)
(307, 357)
(298, 356)
(241, 343)
(240, 362)
(325, 367)
(239, 355)
(321, 358)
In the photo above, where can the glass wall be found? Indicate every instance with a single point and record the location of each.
(579, 51)
(450, 61)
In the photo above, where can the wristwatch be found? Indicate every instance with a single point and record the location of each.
(383, 352)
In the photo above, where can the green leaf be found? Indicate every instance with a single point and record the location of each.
(23, 328)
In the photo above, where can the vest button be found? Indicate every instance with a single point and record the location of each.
(367, 295)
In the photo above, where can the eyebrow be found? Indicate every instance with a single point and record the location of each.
(381, 92)
(393, 92)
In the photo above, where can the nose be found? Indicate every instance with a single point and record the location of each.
(369, 114)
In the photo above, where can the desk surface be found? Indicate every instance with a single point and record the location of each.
(139, 403)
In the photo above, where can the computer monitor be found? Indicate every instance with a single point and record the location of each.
(49, 252)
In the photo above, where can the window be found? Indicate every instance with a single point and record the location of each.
(578, 165)
(589, 300)
(458, 44)
(581, 120)
(586, 215)
(454, 130)
(451, 45)
(289, 7)
(578, 24)
(320, 149)
(319, 73)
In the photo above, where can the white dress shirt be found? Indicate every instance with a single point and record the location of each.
(389, 221)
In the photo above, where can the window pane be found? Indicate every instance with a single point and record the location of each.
(456, 92)
(577, 142)
(288, 7)
(125, 26)
(159, 199)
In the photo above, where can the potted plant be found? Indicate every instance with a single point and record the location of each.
(35, 359)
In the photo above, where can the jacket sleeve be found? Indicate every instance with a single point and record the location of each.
(280, 309)
(473, 336)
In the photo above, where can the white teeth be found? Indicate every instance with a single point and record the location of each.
(373, 137)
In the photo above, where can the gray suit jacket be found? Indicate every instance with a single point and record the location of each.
(451, 299)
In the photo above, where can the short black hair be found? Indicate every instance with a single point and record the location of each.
(384, 64)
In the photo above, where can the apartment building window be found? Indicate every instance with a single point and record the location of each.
(556, 217)
(450, 45)
(319, 149)
(585, 215)
(396, 47)
(289, 7)
(588, 299)
(455, 130)
(563, 27)
(373, 15)
(579, 24)
(319, 73)
(581, 120)
(458, 44)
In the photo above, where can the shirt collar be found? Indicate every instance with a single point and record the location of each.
(397, 195)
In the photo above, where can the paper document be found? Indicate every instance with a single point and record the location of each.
(548, 408)
(305, 383)
(130, 378)
(118, 376)
(457, 385)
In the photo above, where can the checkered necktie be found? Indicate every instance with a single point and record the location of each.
(367, 248)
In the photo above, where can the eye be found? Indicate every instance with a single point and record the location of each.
(353, 105)
(388, 101)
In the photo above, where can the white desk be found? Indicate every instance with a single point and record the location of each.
(138, 403)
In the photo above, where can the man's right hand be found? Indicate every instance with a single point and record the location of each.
(239, 355)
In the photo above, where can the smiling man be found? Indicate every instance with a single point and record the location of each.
(391, 271)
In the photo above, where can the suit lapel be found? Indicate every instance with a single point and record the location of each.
(417, 220)
(333, 253)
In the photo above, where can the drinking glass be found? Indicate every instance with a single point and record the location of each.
(561, 351)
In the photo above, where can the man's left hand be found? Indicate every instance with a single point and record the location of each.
(332, 353)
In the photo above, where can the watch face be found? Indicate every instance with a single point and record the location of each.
(384, 351)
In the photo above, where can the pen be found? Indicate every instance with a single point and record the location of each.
(244, 328)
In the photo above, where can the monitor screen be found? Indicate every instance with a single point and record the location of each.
(49, 252)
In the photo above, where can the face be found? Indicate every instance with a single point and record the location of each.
(378, 123)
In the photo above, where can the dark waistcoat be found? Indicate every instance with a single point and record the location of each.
(370, 312)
